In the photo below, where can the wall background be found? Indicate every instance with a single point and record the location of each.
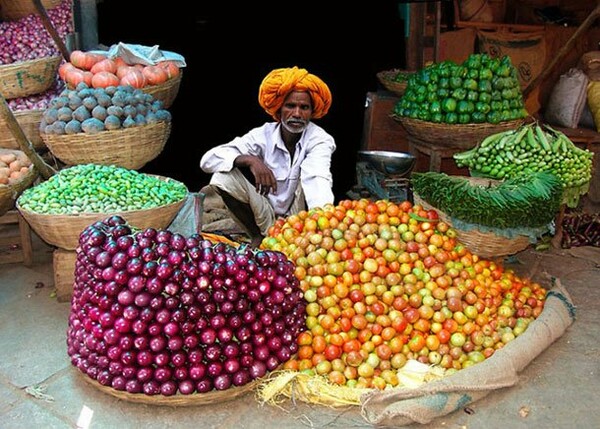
(229, 48)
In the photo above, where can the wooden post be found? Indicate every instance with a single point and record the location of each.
(24, 144)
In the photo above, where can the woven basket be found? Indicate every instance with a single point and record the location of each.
(12, 10)
(63, 230)
(177, 400)
(165, 92)
(484, 244)
(129, 148)
(29, 120)
(10, 193)
(460, 136)
(387, 79)
(28, 77)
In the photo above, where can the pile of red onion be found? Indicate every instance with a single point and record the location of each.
(27, 38)
(158, 313)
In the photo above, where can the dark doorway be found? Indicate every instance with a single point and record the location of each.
(229, 48)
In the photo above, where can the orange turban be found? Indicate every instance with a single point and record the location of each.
(280, 82)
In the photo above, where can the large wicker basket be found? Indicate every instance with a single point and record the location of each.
(165, 92)
(177, 400)
(29, 120)
(63, 231)
(28, 77)
(460, 136)
(129, 148)
(485, 244)
(10, 192)
(12, 10)
(388, 79)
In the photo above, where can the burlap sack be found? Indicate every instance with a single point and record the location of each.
(527, 50)
(398, 407)
(593, 100)
(590, 64)
(567, 99)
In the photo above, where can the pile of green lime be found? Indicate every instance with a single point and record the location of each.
(480, 90)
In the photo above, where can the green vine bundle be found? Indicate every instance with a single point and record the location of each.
(530, 200)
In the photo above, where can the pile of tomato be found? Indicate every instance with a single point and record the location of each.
(387, 282)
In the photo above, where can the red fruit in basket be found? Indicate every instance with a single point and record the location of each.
(104, 79)
(134, 78)
(171, 68)
(84, 60)
(104, 65)
(155, 75)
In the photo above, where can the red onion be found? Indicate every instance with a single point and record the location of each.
(155, 312)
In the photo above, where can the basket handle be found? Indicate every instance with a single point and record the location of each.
(24, 144)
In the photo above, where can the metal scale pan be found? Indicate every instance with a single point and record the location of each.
(383, 173)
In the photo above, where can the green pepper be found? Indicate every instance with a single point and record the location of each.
(459, 93)
(449, 105)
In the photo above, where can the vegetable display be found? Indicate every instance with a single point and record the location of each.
(22, 40)
(480, 90)
(99, 71)
(93, 110)
(531, 147)
(580, 229)
(13, 166)
(90, 188)
(158, 313)
(531, 199)
(386, 283)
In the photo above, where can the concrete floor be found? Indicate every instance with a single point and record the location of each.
(558, 388)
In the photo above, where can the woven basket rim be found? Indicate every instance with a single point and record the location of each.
(391, 73)
(64, 230)
(24, 78)
(441, 126)
(93, 215)
(19, 64)
(83, 135)
(460, 136)
(130, 152)
(179, 400)
(485, 244)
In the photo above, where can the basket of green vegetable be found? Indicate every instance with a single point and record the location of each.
(532, 147)
(59, 209)
(492, 218)
(395, 80)
(460, 104)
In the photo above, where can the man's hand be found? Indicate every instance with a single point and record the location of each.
(264, 179)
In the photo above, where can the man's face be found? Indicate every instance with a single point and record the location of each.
(296, 112)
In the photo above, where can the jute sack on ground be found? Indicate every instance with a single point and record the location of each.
(397, 407)
(527, 50)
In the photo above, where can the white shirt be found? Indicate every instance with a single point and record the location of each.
(311, 164)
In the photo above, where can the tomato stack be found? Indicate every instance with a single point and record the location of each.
(387, 282)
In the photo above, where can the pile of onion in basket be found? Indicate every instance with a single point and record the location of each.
(155, 312)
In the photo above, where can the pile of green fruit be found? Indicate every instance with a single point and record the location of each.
(93, 110)
(480, 90)
(531, 148)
